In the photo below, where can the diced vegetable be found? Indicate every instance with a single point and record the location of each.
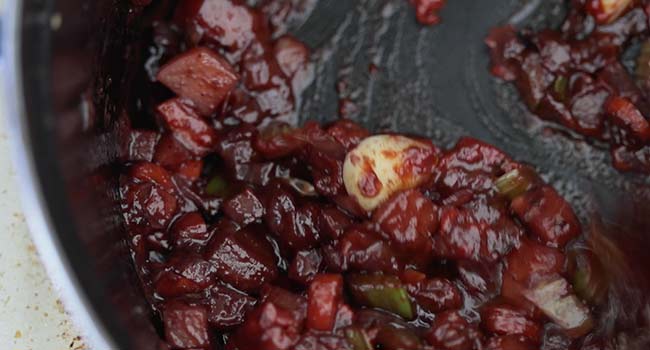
(590, 281)
(565, 309)
(560, 87)
(516, 182)
(623, 113)
(408, 219)
(384, 164)
(381, 291)
(185, 326)
(244, 208)
(201, 76)
(358, 339)
(242, 259)
(547, 215)
(450, 331)
(324, 295)
(217, 186)
(188, 128)
(393, 338)
(503, 319)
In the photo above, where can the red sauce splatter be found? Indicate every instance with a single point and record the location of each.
(426, 11)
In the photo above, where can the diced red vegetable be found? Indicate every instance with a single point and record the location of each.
(548, 216)
(242, 259)
(408, 219)
(305, 266)
(228, 307)
(244, 207)
(533, 262)
(268, 327)
(450, 331)
(201, 76)
(324, 294)
(436, 294)
(139, 145)
(510, 342)
(189, 230)
(189, 129)
(503, 319)
(186, 326)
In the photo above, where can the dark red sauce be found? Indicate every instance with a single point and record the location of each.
(245, 237)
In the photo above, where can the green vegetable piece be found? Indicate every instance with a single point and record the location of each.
(516, 182)
(590, 281)
(560, 87)
(381, 291)
(358, 339)
(217, 186)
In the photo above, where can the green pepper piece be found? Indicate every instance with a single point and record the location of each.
(381, 291)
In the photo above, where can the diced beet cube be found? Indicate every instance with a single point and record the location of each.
(505, 47)
(190, 230)
(472, 165)
(291, 54)
(237, 146)
(533, 79)
(259, 69)
(228, 307)
(408, 219)
(190, 170)
(547, 215)
(230, 23)
(287, 300)
(186, 326)
(347, 133)
(268, 327)
(201, 76)
(192, 131)
(277, 140)
(624, 114)
(450, 331)
(139, 145)
(148, 206)
(514, 293)
(305, 266)
(333, 223)
(324, 294)
(184, 273)
(242, 259)
(361, 250)
(149, 172)
(244, 207)
(510, 342)
(296, 227)
(436, 294)
(460, 235)
(322, 341)
(170, 153)
(534, 262)
(587, 108)
(503, 319)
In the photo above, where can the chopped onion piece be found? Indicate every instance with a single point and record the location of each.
(381, 291)
(565, 309)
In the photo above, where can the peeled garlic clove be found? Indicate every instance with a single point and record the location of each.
(384, 164)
